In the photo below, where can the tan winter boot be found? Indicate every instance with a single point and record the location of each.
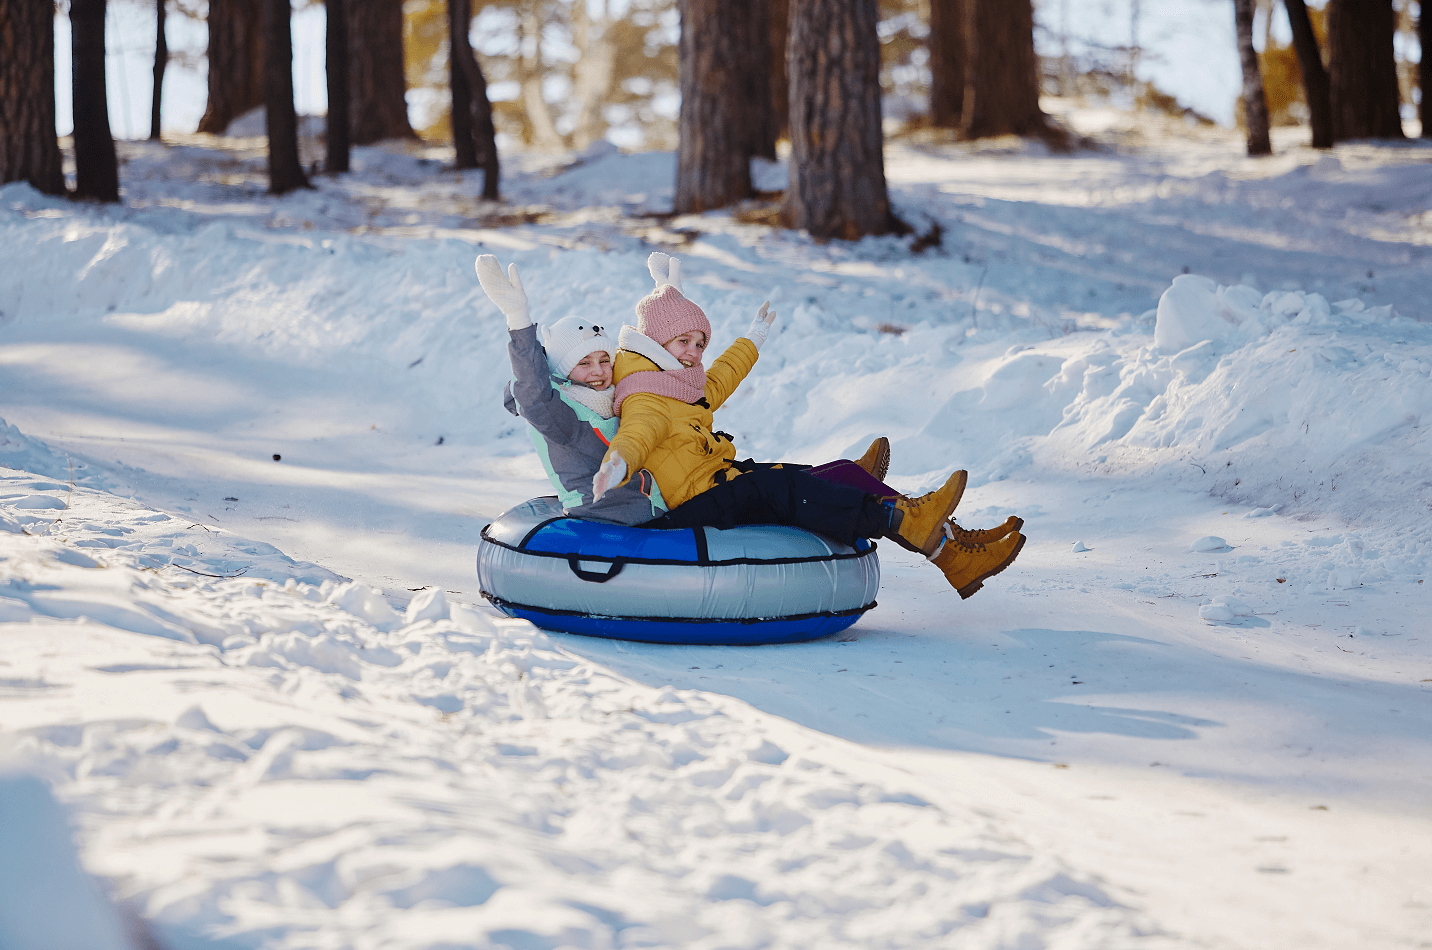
(876, 459)
(954, 532)
(922, 520)
(967, 566)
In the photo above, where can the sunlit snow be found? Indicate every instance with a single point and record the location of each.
(249, 445)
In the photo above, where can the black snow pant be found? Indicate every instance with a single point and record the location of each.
(788, 496)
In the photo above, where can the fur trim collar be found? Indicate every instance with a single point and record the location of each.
(633, 340)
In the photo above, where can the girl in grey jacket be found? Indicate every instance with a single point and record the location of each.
(564, 392)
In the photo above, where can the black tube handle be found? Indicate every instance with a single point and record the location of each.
(593, 576)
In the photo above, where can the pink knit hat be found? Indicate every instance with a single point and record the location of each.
(664, 314)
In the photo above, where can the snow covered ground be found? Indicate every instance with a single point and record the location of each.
(250, 443)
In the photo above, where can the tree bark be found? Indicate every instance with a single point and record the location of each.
(1362, 70)
(1255, 103)
(780, 87)
(1424, 70)
(464, 144)
(285, 170)
(761, 123)
(161, 60)
(713, 167)
(236, 59)
(96, 166)
(337, 134)
(1001, 70)
(837, 187)
(947, 63)
(474, 136)
(378, 109)
(29, 147)
(1315, 77)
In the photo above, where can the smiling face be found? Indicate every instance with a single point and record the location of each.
(687, 347)
(594, 370)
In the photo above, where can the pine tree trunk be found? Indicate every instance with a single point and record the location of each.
(377, 85)
(336, 135)
(780, 87)
(236, 60)
(485, 131)
(1255, 103)
(713, 167)
(837, 185)
(463, 142)
(947, 63)
(96, 166)
(1424, 69)
(1362, 70)
(1315, 77)
(1001, 70)
(161, 60)
(474, 135)
(762, 127)
(285, 170)
(29, 147)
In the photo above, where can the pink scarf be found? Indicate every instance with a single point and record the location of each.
(683, 383)
(687, 385)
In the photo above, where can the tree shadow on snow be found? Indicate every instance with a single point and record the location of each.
(1025, 692)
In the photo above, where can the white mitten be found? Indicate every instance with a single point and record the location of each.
(611, 473)
(504, 291)
(761, 326)
(664, 269)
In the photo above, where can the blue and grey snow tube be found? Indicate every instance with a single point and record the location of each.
(753, 584)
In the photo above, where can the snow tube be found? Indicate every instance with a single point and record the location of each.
(752, 584)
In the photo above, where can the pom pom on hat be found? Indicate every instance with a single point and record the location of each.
(570, 339)
(665, 314)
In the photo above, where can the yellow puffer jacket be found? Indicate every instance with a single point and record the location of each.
(672, 440)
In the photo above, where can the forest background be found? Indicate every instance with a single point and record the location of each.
(1185, 50)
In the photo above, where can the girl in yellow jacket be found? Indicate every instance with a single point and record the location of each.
(666, 400)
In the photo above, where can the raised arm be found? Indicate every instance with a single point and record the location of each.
(731, 367)
(536, 399)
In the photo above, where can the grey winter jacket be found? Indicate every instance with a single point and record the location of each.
(574, 448)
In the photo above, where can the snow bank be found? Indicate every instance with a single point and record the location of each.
(1274, 400)
(1196, 310)
(1279, 401)
(18, 451)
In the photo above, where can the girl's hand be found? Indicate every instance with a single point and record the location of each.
(761, 326)
(664, 269)
(612, 472)
(504, 291)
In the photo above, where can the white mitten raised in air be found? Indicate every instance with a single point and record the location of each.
(613, 470)
(761, 326)
(505, 291)
(664, 269)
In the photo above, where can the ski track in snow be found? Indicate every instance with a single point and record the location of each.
(1213, 650)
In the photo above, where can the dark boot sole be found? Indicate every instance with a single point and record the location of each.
(972, 588)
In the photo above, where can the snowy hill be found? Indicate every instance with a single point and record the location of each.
(249, 444)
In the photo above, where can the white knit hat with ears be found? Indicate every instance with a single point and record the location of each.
(570, 339)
